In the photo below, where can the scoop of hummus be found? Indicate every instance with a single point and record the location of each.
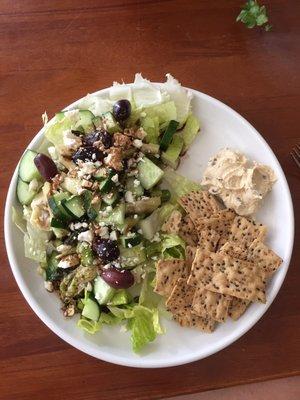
(240, 183)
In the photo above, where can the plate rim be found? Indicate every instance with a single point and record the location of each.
(121, 360)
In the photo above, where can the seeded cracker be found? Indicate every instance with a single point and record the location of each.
(167, 274)
(179, 303)
(245, 231)
(232, 249)
(172, 225)
(190, 252)
(208, 240)
(220, 222)
(210, 304)
(237, 307)
(264, 257)
(199, 204)
(223, 274)
(187, 231)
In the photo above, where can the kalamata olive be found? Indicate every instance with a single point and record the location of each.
(106, 249)
(103, 136)
(122, 110)
(118, 278)
(45, 166)
(88, 153)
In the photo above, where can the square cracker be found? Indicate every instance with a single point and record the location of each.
(232, 249)
(265, 258)
(190, 253)
(199, 204)
(244, 231)
(208, 240)
(179, 303)
(237, 307)
(167, 274)
(227, 275)
(187, 231)
(172, 225)
(211, 304)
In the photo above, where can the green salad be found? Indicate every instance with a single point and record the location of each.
(95, 199)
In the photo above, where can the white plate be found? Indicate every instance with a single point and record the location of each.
(221, 126)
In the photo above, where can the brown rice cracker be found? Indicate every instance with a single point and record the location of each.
(232, 249)
(172, 225)
(265, 258)
(167, 274)
(244, 231)
(227, 275)
(208, 240)
(237, 307)
(211, 304)
(179, 304)
(199, 204)
(220, 222)
(187, 231)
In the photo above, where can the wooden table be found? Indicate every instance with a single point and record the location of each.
(53, 52)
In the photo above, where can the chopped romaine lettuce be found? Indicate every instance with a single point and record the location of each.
(190, 131)
(148, 297)
(142, 327)
(178, 184)
(18, 220)
(88, 325)
(165, 112)
(35, 248)
(151, 127)
(172, 246)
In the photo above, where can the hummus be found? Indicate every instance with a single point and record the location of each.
(240, 183)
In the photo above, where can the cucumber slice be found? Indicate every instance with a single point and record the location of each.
(168, 135)
(92, 210)
(115, 218)
(74, 206)
(109, 123)
(131, 241)
(57, 209)
(171, 155)
(60, 233)
(111, 198)
(121, 297)
(27, 169)
(190, 131)
(97, 121)
(91, 310)
(106, 185)
(149, 173)
(145, 206)
(56, 223)
(150, 148)
(25, 196)
(71, 185)
(136, 190)
(102, 291)
(150, 225)
(131, 257)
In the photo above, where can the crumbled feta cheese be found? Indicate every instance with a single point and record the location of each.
(33, 185)
(129, 245)
(86, 168)
(156, 238)
(48, 286)
(138, 143)
(71, 140)
(154, 258)
(129, 197)
(52, 152)
(86, 236)
(140, 231)
(64, 264)
(89, 287)
(136, 183)
(109, 208)
(103, 232)
(113, 235)
(135, 216)
(115, 178)
(63, 248)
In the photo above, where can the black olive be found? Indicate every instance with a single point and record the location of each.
(46, 166)
(122, 110)
(118, 278)
(88, 153)
(106, 249)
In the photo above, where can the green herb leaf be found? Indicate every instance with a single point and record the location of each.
(253, 14)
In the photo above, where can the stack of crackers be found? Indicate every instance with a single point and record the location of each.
(226, 267)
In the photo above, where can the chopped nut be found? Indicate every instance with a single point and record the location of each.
(86, 184)
(135, 133)
(69, 261)
(69, 310)
(48, 286)
(121, 140)
(95, 199)
(114, 158)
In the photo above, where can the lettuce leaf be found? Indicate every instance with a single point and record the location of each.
(172, 246)
(89, 326)
(178, 184)
(35, 248)
(143, 328)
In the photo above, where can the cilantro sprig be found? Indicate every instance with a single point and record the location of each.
(253, 14)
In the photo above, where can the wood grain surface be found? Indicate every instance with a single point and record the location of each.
(53, 52)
